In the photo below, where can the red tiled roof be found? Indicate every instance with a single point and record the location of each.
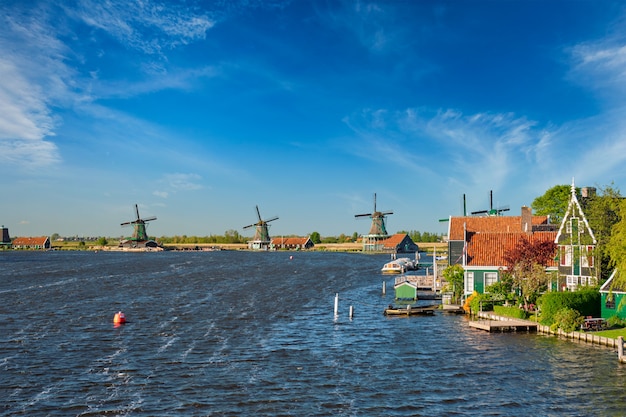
(289, 241)
(488, 249)
(30, 241)
(393, 241)
(490, 224)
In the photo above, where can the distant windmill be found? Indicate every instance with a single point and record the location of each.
(378, 220)
(491, 211)
(262, 228)
(139, 224)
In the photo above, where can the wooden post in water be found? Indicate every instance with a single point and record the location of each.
(336, 304)
(351, 312)
(384, 288)
(620, 349)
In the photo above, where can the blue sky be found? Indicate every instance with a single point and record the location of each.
(198, 111)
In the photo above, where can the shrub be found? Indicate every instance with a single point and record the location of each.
(586, 301)
(514, 312)
(567, 319)
(615, 321)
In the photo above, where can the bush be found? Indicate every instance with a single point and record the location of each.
(615, 321)
(586, 302)
(567, 319)
(514, 312)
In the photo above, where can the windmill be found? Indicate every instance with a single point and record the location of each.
(491, 211)
(261, 235)
(139, 225)
(378, 221)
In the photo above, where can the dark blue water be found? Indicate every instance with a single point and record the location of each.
(242, 334)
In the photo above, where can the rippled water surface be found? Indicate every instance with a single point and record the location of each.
(243, 333)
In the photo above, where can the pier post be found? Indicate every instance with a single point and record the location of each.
(620, 349)
(336, 304)
(351, 312)
(384, 288)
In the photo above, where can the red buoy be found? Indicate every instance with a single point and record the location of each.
(119, 318)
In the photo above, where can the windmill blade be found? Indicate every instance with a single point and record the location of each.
(249, 226)
(258, 213)
(363, 215)
(385, 213)
(149, 219)
(271, 220)
(126, 223)
(480, 212)
(374, 202)
(137, 211)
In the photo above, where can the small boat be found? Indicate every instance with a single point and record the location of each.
(410, 310)
(399, 266)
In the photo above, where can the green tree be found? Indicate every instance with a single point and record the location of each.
(355, 236)
(616, 248)
(102, 241)
(553, 203)
(316, 238)
(526, 263)
(454, 276)
(603, 212)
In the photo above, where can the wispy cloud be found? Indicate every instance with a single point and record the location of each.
(168, 26)
(495, 142)
(37, 76)
(175, 182)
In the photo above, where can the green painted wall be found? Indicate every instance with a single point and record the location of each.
(406, 291)
(610, 312)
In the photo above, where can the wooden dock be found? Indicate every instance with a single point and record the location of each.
(504, 325)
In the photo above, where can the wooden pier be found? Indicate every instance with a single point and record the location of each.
(504, 325)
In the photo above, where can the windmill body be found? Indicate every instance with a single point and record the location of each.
(261, 239)
(140, 235)
(378, 231)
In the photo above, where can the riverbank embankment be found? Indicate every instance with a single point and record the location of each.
(587, 337)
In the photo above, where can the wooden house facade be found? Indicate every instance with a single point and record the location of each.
(576, 247)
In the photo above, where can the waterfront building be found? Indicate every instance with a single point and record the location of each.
(42, 242)
(479, 244)
(576, 247)
(297, 243)
(611, 298)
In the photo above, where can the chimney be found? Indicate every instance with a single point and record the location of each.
(527, 220)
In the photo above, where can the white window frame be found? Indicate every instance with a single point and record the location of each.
(469, 282)
(490, 279)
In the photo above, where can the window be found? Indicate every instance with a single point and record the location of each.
(566, 256)
(490, 278)
(469, 282)
(610, 302)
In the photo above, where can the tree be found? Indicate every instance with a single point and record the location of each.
(526, 264)
(602, 211)
(616, 249)
(102, 241)
(553, 203)
(316, 238)
(454, 275)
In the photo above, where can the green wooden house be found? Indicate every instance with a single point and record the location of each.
(405, 290)
(576, 247)
(479, 244)
(611, 299)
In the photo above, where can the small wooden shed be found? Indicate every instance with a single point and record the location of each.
(405, 290)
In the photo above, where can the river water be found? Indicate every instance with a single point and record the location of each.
(243, 333)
